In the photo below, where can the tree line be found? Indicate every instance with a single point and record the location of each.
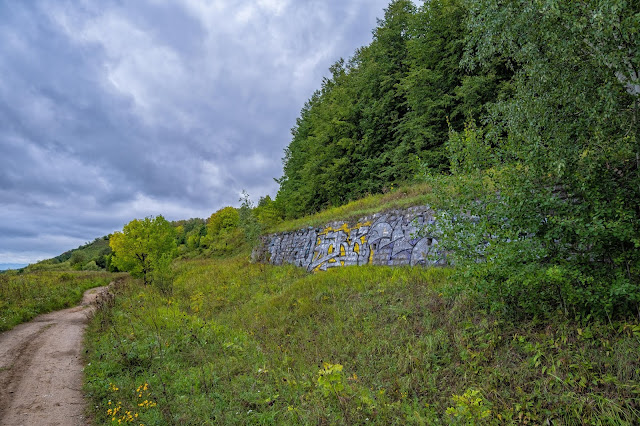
(385, 114)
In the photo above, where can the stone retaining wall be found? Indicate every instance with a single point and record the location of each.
(388, 238)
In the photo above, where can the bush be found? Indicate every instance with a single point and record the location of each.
(91, 266)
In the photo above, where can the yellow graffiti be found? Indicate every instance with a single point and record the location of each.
(329, 229)
(357, 246)
(344, 228)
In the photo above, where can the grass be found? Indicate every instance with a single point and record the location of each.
(85, 253)
(405, 196)
(23, 296)
(241, 343)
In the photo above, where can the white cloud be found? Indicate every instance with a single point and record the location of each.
(211, 175)
(276, 7)
(145, 205)
(136, 64)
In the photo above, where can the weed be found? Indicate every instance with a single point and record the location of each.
(470, 408)
(23, 296)
(239, 343)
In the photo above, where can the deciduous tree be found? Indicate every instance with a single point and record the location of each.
(141, 244)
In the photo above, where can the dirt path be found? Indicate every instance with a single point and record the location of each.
(41, 368)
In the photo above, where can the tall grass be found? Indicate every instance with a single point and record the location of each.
(240, 343)
(23, 296)
(397, 198)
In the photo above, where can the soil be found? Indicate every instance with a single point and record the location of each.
(41, 368)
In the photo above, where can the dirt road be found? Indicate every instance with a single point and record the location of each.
(41, 368)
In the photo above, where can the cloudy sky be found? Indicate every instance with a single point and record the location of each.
(112, 110)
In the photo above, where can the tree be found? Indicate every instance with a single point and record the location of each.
(266, 212)
(77, 259)
(248, 221)
(563, 230)
(343, 141)
(392, 102)
(141, 244)
(223, 220)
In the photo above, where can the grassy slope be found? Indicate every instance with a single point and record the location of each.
(402, 197)
(86, 252)
(23, 296)
(238, 343)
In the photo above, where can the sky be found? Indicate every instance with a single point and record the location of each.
(112, 110)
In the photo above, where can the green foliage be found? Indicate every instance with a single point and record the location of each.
(247, 219)
(162, 274)
(240, 343)
(468, 150)
(266, 212)
(91, 266)
(141, 245)
(77, 260)
(227, 243)
(222, 220)
(556, 225)
(469, 408)
(189, 232)
(25, 295)
(331, 379)
(392, 101)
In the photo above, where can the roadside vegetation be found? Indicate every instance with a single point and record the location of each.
(25, 295)
(241, 343)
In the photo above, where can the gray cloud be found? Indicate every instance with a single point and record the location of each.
(113, 110)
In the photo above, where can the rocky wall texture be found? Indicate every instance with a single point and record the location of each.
(389, 238)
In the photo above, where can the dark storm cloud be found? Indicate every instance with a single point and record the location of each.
(112, 110)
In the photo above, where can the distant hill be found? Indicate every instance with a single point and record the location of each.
(90, 256)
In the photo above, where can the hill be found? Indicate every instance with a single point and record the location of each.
(234, 342)
(241, 343)
(93, 255)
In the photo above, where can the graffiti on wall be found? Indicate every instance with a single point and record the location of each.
(390, 239)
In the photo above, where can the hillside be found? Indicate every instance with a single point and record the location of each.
(241, 343)
(91, 256)
(234, 342)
